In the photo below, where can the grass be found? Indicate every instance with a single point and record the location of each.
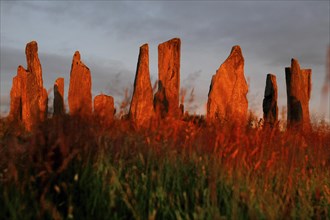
(72, 169)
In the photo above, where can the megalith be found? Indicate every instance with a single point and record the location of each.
(269, 104)
(59, 97)
(141, 110)
(227, 95)
(29, 99)
(80, 94)
(169, 77)
(104, 109)
(15, 113)
(34, 68)
(298, 87)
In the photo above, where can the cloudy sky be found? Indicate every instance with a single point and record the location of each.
(109, 34)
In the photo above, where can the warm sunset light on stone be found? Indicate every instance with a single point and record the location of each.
(159, 115)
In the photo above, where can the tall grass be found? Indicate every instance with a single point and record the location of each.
(73, 169)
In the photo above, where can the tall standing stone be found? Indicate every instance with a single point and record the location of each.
(141, 109)
(298, 87)
(104, 109)
(227, 95)
(80, 95)
(33, 62)
(34, 68)
(59, 97)
(15, 113)
(29, 98)
(269, 104)
(169, 75)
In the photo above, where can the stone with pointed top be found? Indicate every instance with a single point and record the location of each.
(227, 95)
(80, 95)
(269, 104)
(298, 87)
(141, 110)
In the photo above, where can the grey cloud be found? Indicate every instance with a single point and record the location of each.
(269, 32)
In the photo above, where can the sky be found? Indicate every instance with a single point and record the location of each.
(108, 35)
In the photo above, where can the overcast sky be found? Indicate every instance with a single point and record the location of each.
(109, 34)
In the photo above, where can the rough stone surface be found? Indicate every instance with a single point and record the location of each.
(141, 109)
(160, 102)
(227, 95)
(59, 97)
(169, 75)
(269, 104)
(33, 62)
(34, 68)
(80, 95)
(298, 87)
(104, 109)
(15, 113)
(29, 99)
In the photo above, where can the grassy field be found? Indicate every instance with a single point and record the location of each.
(73, 169)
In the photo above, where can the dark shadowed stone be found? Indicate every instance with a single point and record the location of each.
(227, 95)
(160, 102)
(169, 75)
(141, 109)
(59, 97)
(80, 95)
(298, 86)
(269, 104)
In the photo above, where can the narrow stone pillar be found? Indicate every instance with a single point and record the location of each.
(298, 87)
(269, 104)
(80, 88)
(169, 77)
(141, 110)
(59, 97)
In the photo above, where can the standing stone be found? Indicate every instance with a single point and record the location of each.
(59, 97)
(298, 88)
(269, 104)
(15, 113)
(29, 98)
(33, 62)
(169, 75)
(43, 104)
(34, 68)
(24, 103)
(104, 109)
(141, 110)
(227, 95)
(160, 102)
(80, 95)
